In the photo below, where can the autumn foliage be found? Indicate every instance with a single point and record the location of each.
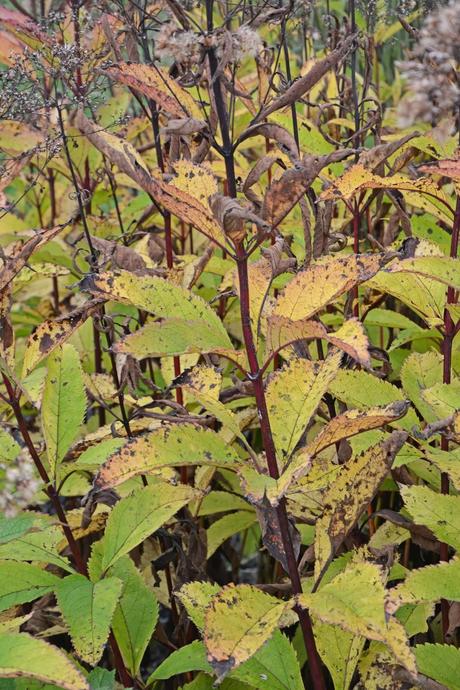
(229, 409)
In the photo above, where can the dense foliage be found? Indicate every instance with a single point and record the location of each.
(229, 414)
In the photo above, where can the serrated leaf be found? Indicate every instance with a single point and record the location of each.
(323, 282)
(195, 597)
(293, 394)
(341, 602)
(431, 583)
(155, 82)
(353, 422)
(350, 337)
(88, 609)
(360, 389)
(172, 446)
(24, 656)
(21, 582)
(348, 495)
(340, 651)
(136, 614)
(444, 398)
(441, 268)
(63, 404)
(15, 527)
(41, 546)
(137, 516)
(441, 662)
(159, 297)
(421, 371)
(238, 620)
(50, 334)
(438, 512)
(173, 337)
(101, 679)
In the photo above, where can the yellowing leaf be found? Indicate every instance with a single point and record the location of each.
(441, 268)
(238, 620)
(137, 516)
(88, 609)
(169, 446)
(293, 393)
(440, 513)
(341, 602)
(50, 334)
(354, 422)
(157, 296)
(361, 390)
(421, 192)
(421, 371)
(23, 656)
(174, 337)
(349, 494)
(431, 583)
(340, 651)
(155, 83)
(195, 597)
(351, 337)
(323, 282)
(444, 398)
(63, 405)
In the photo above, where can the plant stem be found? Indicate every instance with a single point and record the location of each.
(256, 375)
(449, 334)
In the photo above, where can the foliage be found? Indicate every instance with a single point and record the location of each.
(229, 410)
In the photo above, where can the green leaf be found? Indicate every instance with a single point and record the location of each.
(192, 657)
(136, 614)
(441, 662)
(293, 393)
(431, 583)
(9, 449)
(273, 667)
(174, 337)
(444, 398)
(227, 526)
(441, 268)
(414, 618)
(340, 651)
(15, 527)
(63, 405)
(361, 390)
(101, 679)
(238, 620)
(438, 512)
(41, 546)
(421, 371)
(169, 446)
(159, 297)
(21, 582)
(137, 516)
(24, 656)
(88, 609)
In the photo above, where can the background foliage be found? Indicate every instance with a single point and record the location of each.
(229, 417)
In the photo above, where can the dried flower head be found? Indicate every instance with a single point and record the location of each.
(19, 484)
(183, 47)
(432, 72)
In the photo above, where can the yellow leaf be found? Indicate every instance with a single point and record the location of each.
(293, 393)
(351, 337)
(238, 620)
(349, 494)
(155, 83)
(171, 446)
(323, 282)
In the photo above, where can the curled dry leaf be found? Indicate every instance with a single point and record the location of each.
(232, 217)
(302, 85)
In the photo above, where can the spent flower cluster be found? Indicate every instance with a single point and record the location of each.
(19, 484)
(432, 72)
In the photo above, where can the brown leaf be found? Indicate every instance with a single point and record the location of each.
(271, 534)
(302, 85)
(233, 218)
(447, 167)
